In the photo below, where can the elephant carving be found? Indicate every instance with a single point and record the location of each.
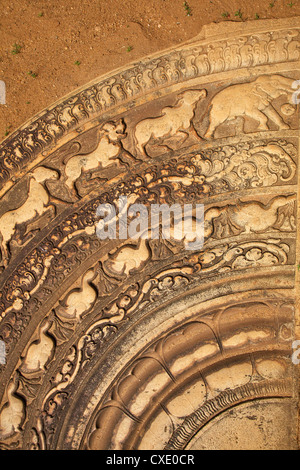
(253, 100)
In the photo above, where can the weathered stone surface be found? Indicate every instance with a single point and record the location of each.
(144, 344)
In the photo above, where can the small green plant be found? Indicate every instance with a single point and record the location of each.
(239, 14)
(77, 62)
(129, 48)
(7, 132)
(226, 14)
(32, 74)
(40, 14)
(291, 4)
(256, 16)
(272, 5)
(16, 49)
(187, 8)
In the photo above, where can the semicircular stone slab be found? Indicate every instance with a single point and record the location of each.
(117, 334)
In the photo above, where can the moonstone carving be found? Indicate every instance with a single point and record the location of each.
(131, 344)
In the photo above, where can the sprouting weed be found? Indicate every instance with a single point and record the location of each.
(16, 48)
(7, 132)
(187, 8)
(32, 74)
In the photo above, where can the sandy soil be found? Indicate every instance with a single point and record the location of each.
(48, 48)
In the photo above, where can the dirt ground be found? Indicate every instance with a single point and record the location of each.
(49, 48)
